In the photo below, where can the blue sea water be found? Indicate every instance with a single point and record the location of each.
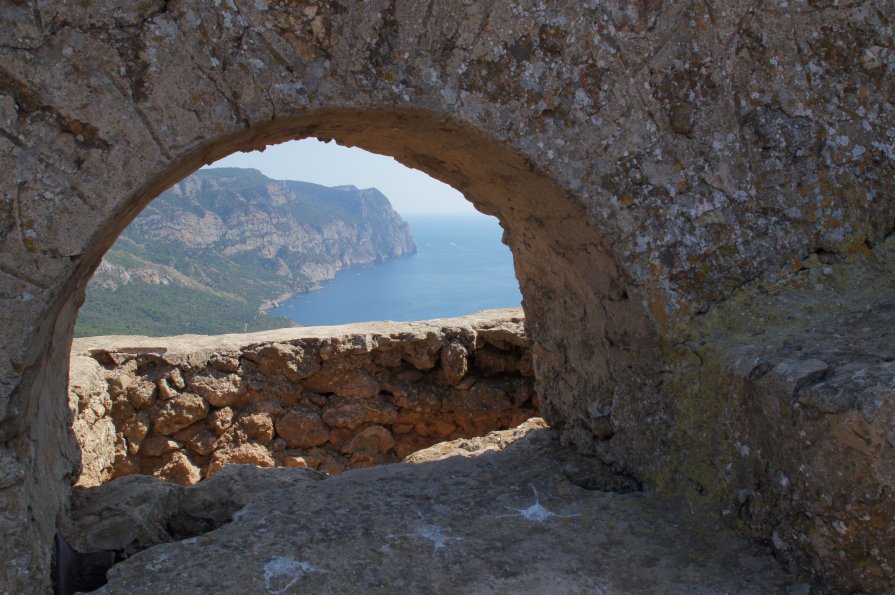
(460, 267)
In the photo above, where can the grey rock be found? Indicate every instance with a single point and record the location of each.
(133, 513)
(498, 520)
(792, 375)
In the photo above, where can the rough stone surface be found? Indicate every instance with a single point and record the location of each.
(303, 428)
(645, 159)
(180, 412)
(136, 512)
(502, 518)
(95, 430)
(788, 421)
(344, 414)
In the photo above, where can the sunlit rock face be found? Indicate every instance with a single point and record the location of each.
(647, 161)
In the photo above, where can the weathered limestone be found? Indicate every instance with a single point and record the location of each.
(647, 160)
(505, 517)
(136, 512)
(789, 421)
(324, 398)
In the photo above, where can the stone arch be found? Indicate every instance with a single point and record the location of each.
(582, 311)
(575, 294)
(673, 152)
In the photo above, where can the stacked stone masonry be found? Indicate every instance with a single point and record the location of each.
(361, 396)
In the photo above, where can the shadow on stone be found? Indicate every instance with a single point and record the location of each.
(496, 514)
(133, 513)
(77, 572)
(593, 474)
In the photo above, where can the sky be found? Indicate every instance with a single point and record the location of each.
(410, 191)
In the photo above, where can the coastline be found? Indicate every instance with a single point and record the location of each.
(460, 266)
(268, 305)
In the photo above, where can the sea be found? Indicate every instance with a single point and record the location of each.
(460, 267)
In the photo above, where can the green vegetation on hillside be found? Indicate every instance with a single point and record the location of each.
(161, 310)
(205, 255)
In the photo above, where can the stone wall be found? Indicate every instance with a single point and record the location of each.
(325, 398)
(647, 161)
(785, 408)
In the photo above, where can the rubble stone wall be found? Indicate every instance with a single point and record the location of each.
(329, 399)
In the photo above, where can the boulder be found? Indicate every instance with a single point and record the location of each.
(180, 412)
(178, 468)
(244, 454)
(454, 362)
(302, 427)
(219, 391)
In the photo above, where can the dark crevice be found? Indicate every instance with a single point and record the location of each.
(77, 572)
(591, 473)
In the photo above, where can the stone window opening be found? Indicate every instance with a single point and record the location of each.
(351, 397)
(543, 226)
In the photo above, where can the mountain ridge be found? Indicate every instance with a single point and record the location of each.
(240, 241)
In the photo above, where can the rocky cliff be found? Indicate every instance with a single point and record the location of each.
(230, 241)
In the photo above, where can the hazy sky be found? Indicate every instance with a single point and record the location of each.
(410, 191)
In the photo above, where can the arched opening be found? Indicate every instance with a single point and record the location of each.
(217, 251)
(304, 233)
(581, 314)
(648, 162)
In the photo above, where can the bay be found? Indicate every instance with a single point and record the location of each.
(461, 267)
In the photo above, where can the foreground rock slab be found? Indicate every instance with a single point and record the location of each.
(506, 517)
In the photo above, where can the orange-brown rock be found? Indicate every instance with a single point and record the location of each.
(244, 454)
(219, 391)
(180, 412)
(302, 427)
(178, 468)
(339, 415)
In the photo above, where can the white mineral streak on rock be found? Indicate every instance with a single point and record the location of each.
(283, 572)
(535, 512)
(435, 534)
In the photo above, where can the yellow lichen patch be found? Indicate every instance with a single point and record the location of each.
(851, 430)
(859, 247)
(656, 299)
(811, 209)
(657, 307)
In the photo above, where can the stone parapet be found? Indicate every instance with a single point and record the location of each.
(784, 417)
(326, 398)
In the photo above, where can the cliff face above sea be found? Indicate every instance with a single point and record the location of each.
(209, 253)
